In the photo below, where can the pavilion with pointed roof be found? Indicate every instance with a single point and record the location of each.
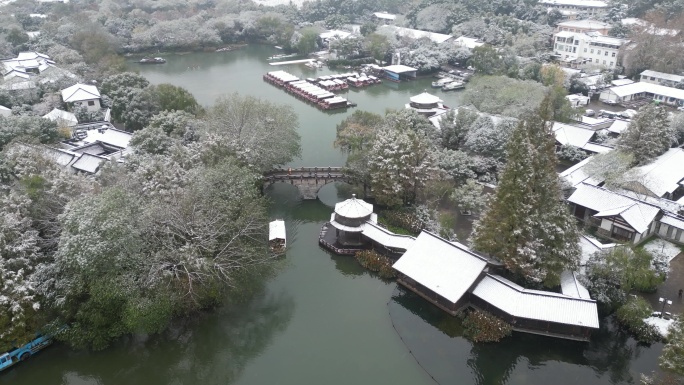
(426, 104)
(349, 218)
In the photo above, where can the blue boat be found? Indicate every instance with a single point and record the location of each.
(24, 352)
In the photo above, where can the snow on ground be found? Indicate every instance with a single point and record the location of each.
(669, 249)
(661, 324)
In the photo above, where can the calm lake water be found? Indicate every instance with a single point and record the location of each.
(323, 319)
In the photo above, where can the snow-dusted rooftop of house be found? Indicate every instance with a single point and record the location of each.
(353, 208)
(663, 75)
(637, 214)
(589, 246)
(80, 92)
(276, 229)
(441, 266)
(417, 34)
(618, 126)
(27, 61)
(673, 220)
(585, 24)
(62, 117)
(571, 287)
(593, 122)
(3, 108)
(663, 175)
(334, 34)
(88, 163)
(621, 82)
(384, 15)
(578, 137)
(468, 42)
(399, 68)
(537, 305)
(576, 3)
(639, 87)
(387, 238)
(425, 98)
(110, 136)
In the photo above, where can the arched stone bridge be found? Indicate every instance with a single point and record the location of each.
(308, 180)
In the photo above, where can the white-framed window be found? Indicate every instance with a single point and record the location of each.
(598, 52)
(611, 64)
(592, 50)
(585, 50)
(613, 54)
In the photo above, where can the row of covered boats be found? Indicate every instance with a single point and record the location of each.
(302, 89)
(341, 82)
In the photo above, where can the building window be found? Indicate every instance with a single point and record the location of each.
(611, 64)
(622, 234)
(604, 62)
(598, 52)
(592, 50)
(576, 42)
(91, 103)
(613, 54)
(574, 49)
(585, 50)
(606, 54)
(652, 77)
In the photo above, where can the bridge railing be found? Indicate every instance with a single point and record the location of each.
(303, 169)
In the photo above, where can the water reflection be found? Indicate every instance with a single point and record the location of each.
(435, 340)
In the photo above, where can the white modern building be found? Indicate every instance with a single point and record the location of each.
(438, 38)
(590, 48)
(662, 78)
(586, 25)
(642, 90)
(468, 42)
(573, 7)
(82, 95)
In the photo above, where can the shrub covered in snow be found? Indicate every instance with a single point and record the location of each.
(373, 261)
(481, 326)
(631, 315)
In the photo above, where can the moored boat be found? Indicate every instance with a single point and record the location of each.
(453, 86)
(277, 240)
(152, 60)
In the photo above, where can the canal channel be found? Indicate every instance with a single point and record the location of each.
(323, 319)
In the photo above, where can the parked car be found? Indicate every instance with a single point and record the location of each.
(589, 113)
(610, 102)
(680, 108)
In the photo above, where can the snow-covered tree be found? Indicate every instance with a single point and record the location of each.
(261, 133)
(527, 225)
(454, 127)
(457, 164)
(648, 135)
(672, 359)
(486, 138)
(469, 196)
(571, 153)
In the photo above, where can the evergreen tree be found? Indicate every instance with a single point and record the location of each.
(454, 127)
(649, 135)
(527, 224)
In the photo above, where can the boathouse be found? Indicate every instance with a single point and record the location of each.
(399, 72)
(538, 312)
(440, 271)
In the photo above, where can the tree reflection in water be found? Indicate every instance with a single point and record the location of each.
(212, 348)
(435, 340)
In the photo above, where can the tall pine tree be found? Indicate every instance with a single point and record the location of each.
(528, 226)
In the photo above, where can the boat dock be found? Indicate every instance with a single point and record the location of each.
(321, 98)
(280, 63)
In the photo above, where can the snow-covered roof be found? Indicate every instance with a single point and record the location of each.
(4, 111)
(62, 117)
(589, 246)
(276, 230)
(384, 15)
(570, 286)
(576, 3)
(565, 34)
(637, 214)
(640, 87)
(673, 220)
(399, 68)
(80, 92)
(283, 76)
(88, 163)
(387, 238)
(663, 75)
(537, 305)
(618, 126)
(441, 266)
(663, 175)
(425, 98)
(584, 24)
(334, 34)
(621, 82)
(353, 208)
(417, 34)
(109, 136)
(468, 42)
(572, 135)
